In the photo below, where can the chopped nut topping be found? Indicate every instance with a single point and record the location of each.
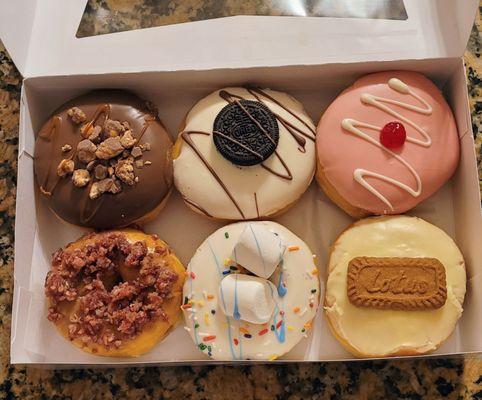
(147, 162)
(125, 172)
(109, 148)
(86, 151)
(136, 152)
(139, 163)
(127, 140)
(76, 115)
(110, 171)
(66, 167)
(66, 148)
(113, 128)
(100, 172)
(91, 165)
(145, 146)
(95, 134)
(136, 179)
(104, 186)
(80, 177)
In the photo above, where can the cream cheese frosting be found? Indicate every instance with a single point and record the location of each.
(214, 186)
(378, 333)
(224, 337)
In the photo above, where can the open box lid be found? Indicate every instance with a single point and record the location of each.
(41, 38)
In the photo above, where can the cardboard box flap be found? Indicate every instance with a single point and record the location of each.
(16, 21)
(434, 28)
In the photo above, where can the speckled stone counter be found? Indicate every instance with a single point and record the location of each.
(453, 378)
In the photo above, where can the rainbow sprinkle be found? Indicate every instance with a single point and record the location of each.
(206, 318)
(244, 330)
(263, 332)
(209, 338)
(293, 248)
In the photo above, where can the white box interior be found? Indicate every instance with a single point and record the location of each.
(455, 208)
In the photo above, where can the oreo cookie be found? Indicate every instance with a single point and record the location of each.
(246, 133)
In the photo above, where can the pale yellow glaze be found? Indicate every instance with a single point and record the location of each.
(379, 333)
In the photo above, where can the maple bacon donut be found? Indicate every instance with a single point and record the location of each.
(115, 293)
(103, 160)
(244, 153)
(251, 293)
(385, 144)
(395, 287)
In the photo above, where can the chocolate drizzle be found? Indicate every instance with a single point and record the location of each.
(187, 138)
(196, 206)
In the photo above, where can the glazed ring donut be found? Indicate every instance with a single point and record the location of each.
(115, 293)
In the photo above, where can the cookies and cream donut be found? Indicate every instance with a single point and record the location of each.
(251, 292)
(244, 153)
(115, 293)
(386, 143)
(103, 160)
(395, 287)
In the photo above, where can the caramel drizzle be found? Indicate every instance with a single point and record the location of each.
(52, 133)
(187, 138)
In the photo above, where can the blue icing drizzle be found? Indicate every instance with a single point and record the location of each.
(236, 314)
(259, 248)
(280, 332)
(228, 320)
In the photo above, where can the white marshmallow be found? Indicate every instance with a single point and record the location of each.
(247, 298)
(259, 250)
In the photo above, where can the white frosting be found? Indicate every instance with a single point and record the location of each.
(353, 126)
(296, 279)
(258, 250)
(256, 190)
(248, 298)
(379, 333)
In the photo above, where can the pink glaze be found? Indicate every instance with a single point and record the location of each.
(341, 152)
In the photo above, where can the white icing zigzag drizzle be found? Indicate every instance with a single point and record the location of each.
(352, 126)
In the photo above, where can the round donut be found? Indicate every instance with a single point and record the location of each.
(388, 310)
(103, 160)
(295, 292)
(379, 144)
(115, 293)
(244, 153)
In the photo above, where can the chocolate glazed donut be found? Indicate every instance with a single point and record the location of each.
(88, 186)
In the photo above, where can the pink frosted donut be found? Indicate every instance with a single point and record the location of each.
(366, 172)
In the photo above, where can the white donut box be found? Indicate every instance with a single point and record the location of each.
(174, 66)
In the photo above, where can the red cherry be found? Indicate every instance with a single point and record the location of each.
(393, 135)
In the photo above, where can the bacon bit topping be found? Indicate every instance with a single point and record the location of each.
(109, 312)
(263, 332)
(293, 248)
(209, 338)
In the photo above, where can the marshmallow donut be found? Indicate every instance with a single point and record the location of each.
(251, 292)
(395, 287)
(244, 153)
(115, 293)
(385, 144)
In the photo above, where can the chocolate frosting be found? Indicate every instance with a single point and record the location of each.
(109, 210)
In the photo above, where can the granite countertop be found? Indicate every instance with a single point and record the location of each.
(453, 378)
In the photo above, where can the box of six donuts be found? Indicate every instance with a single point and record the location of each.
(311, 193)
